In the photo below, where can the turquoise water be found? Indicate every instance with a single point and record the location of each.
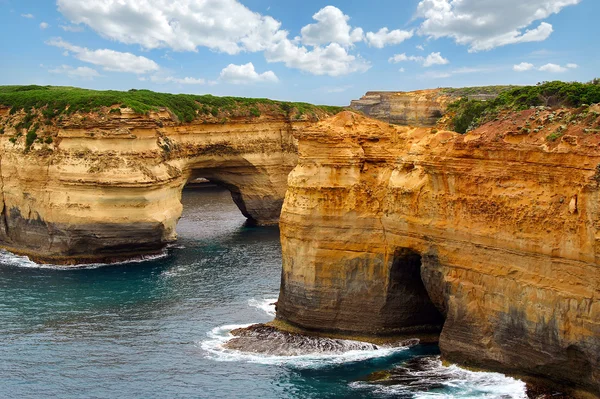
(154, 329)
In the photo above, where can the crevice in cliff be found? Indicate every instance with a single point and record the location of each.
(408, 304)
(4, 209)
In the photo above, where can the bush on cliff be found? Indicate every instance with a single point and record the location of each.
(55, 100)
(470, 114)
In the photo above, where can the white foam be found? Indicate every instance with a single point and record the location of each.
(10, 259)
(217, 337)
(266, 305)
(463, 384)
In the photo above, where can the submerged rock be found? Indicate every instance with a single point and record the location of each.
(268, 340)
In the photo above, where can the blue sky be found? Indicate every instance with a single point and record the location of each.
(327, 52)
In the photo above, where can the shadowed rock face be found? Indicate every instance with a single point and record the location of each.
(110, 189)
(396, 230)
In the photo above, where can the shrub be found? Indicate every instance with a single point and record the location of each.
(48, 140)
(30, 138)
(255, 112)
(472, 113)
(55, 101)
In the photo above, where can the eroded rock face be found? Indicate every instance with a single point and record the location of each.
(503, 224)
(415, 108)
(107, 189)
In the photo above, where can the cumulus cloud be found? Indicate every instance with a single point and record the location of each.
(550, 67)
(225, 26)
(332, 60)
(435, 59)
(522, 67)
(331, 27)
(110, 60)
(553, 68)
(244, 74)
(419, 47)
(28, 16)
(385, 37)
(85, 73)
(430, 60)
(484, 25)
(44, 25)
(222, 25)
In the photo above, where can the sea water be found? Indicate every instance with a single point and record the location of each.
(155, 328)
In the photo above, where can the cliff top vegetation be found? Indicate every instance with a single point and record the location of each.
(56, 100)
(470, 113)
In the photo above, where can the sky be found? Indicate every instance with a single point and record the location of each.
(324, 52)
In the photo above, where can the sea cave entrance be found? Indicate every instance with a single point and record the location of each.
(409, 306)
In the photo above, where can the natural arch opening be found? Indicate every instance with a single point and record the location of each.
(256, 193)
(408, 304)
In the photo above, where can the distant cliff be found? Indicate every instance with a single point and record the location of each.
(491, 238)
(418, 108)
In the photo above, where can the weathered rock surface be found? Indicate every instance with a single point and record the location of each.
(416, 108)
(108, 188)
(495, 235)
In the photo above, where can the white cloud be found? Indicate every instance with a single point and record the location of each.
(572, 66)
(29, 16)
(430, 60)
(225, 26)
(484, 25)
(385, 37)
(244, 74)
(435, 59)
(523, 66)
(419, 47)
(401, 70)
(71, 28)
(85, 73)
(222, 25)
(332, 60)
(110, 60)
(553, 68)
(44, 25)
(331, 27)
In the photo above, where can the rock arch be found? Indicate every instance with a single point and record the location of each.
(112, 191)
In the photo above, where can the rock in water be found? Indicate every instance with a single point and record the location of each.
(268, 340)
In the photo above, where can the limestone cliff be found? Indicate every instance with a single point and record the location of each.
(416, 108)
(492, 237)
(107, 185)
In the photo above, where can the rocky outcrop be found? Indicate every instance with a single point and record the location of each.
(416, 108)
(102, 187)
(491, 237)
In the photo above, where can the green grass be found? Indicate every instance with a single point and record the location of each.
(470, 114)
(57, 100)
(471, 91)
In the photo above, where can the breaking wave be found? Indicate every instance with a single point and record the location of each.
(9, 259)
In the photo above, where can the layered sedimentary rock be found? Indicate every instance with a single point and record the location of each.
(492, 237)
(108, 187)
(416, 108)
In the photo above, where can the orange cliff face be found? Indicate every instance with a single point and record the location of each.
(104, 187)
(416, 108)
(491, 239)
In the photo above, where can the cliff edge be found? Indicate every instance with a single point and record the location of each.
(489, 239)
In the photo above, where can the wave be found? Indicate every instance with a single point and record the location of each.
(8, 258)
(432, 380)
(266, 305)
(219, 336)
